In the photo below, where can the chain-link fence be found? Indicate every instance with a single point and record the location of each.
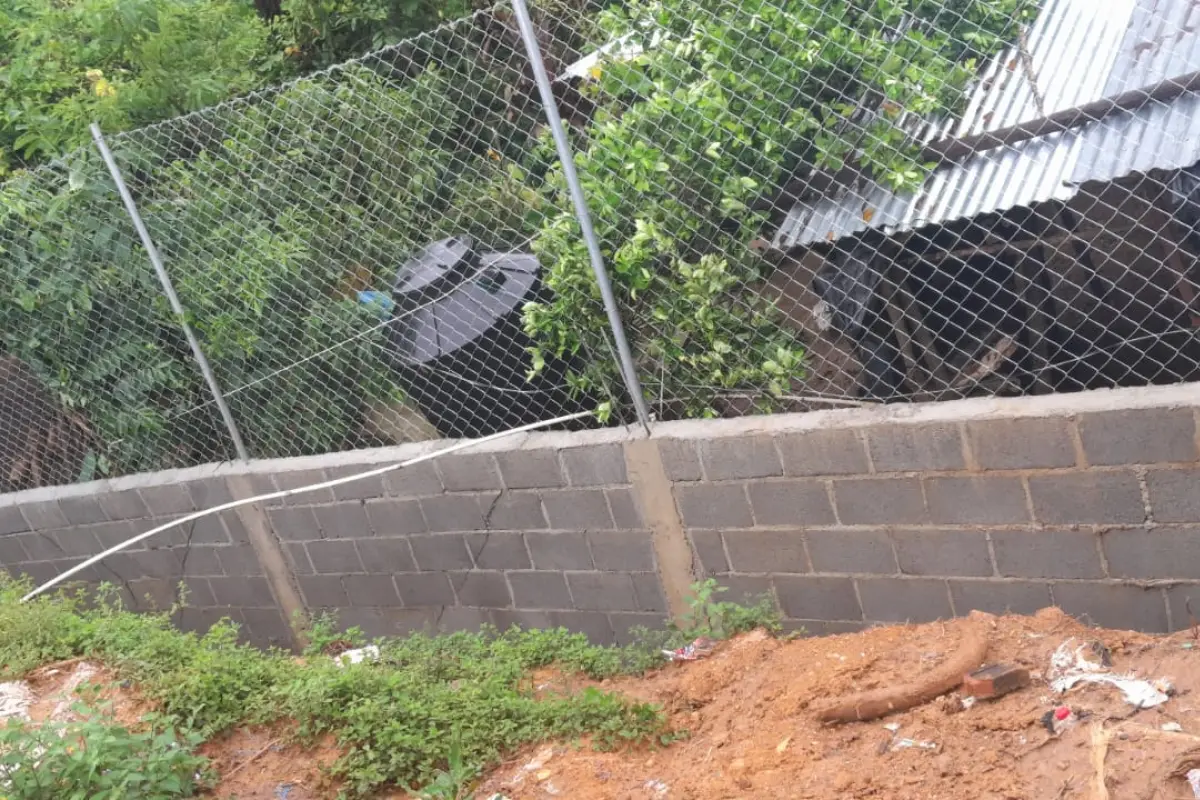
(799, 205)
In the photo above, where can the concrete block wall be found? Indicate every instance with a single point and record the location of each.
(209, 563)
(1008, 505)
(845, 518)
(536, 537)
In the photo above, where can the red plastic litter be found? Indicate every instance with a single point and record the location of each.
(696, 650)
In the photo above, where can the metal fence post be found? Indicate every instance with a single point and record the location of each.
(238, 445)
(578, 199)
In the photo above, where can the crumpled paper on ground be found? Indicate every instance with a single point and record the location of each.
(1070, 666)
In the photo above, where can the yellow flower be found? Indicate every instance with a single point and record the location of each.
(493, 155)
(103, 88)
(94, 75)
(291, 50)
(595, 72)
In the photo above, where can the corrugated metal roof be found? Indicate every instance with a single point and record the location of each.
(1161, 43)
(1081, 50)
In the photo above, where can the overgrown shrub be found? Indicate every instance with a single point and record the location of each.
(270, 214)
(121, 63)
(726, 96)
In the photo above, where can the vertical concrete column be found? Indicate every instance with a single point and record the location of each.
(673, 554)
(270, 557)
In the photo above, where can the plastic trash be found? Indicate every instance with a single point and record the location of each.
(1059, 719)
(700, 648)
(357, 656)
(382, 304)
(1070, 666)
(904, 744)
(1193, 779)
(658, 789)
(532, 767)
(15, 700)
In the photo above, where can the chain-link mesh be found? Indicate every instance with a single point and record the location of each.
(800, 205)
(304, 230)
(93, 365)
(815, 204)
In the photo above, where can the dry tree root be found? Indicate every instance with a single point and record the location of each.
(901, 697)
(1100, 739)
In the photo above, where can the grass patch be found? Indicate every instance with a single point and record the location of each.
(433, 710)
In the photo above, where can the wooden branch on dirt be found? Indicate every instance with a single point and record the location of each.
(901, 697)
(250, 760)
(1100, 738)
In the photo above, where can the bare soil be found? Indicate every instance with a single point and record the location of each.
(751, 707)
(750, 710)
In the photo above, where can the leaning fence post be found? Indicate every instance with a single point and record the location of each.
(581, 211)
(155, 259)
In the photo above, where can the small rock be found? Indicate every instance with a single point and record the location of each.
(738, 765)
(779, 748)
(658, 789)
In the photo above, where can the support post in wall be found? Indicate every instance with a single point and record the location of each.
(169, 290)
(655, 496)
(565, 156)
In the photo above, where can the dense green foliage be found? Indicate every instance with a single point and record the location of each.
(120, 63)
(324, 32)
(96, 758)
(238, 201)
(124, 63)
(429, 702)
(726, 96)
(272, 211)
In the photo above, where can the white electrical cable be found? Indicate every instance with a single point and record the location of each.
(298, 490)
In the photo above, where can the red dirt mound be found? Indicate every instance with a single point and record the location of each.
(751, 711)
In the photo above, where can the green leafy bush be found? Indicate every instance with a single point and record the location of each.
(324, 32)
(398, 720)
(726, 96)
(270, 214)
(93, 757)
(262, 266)
(121, 63)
